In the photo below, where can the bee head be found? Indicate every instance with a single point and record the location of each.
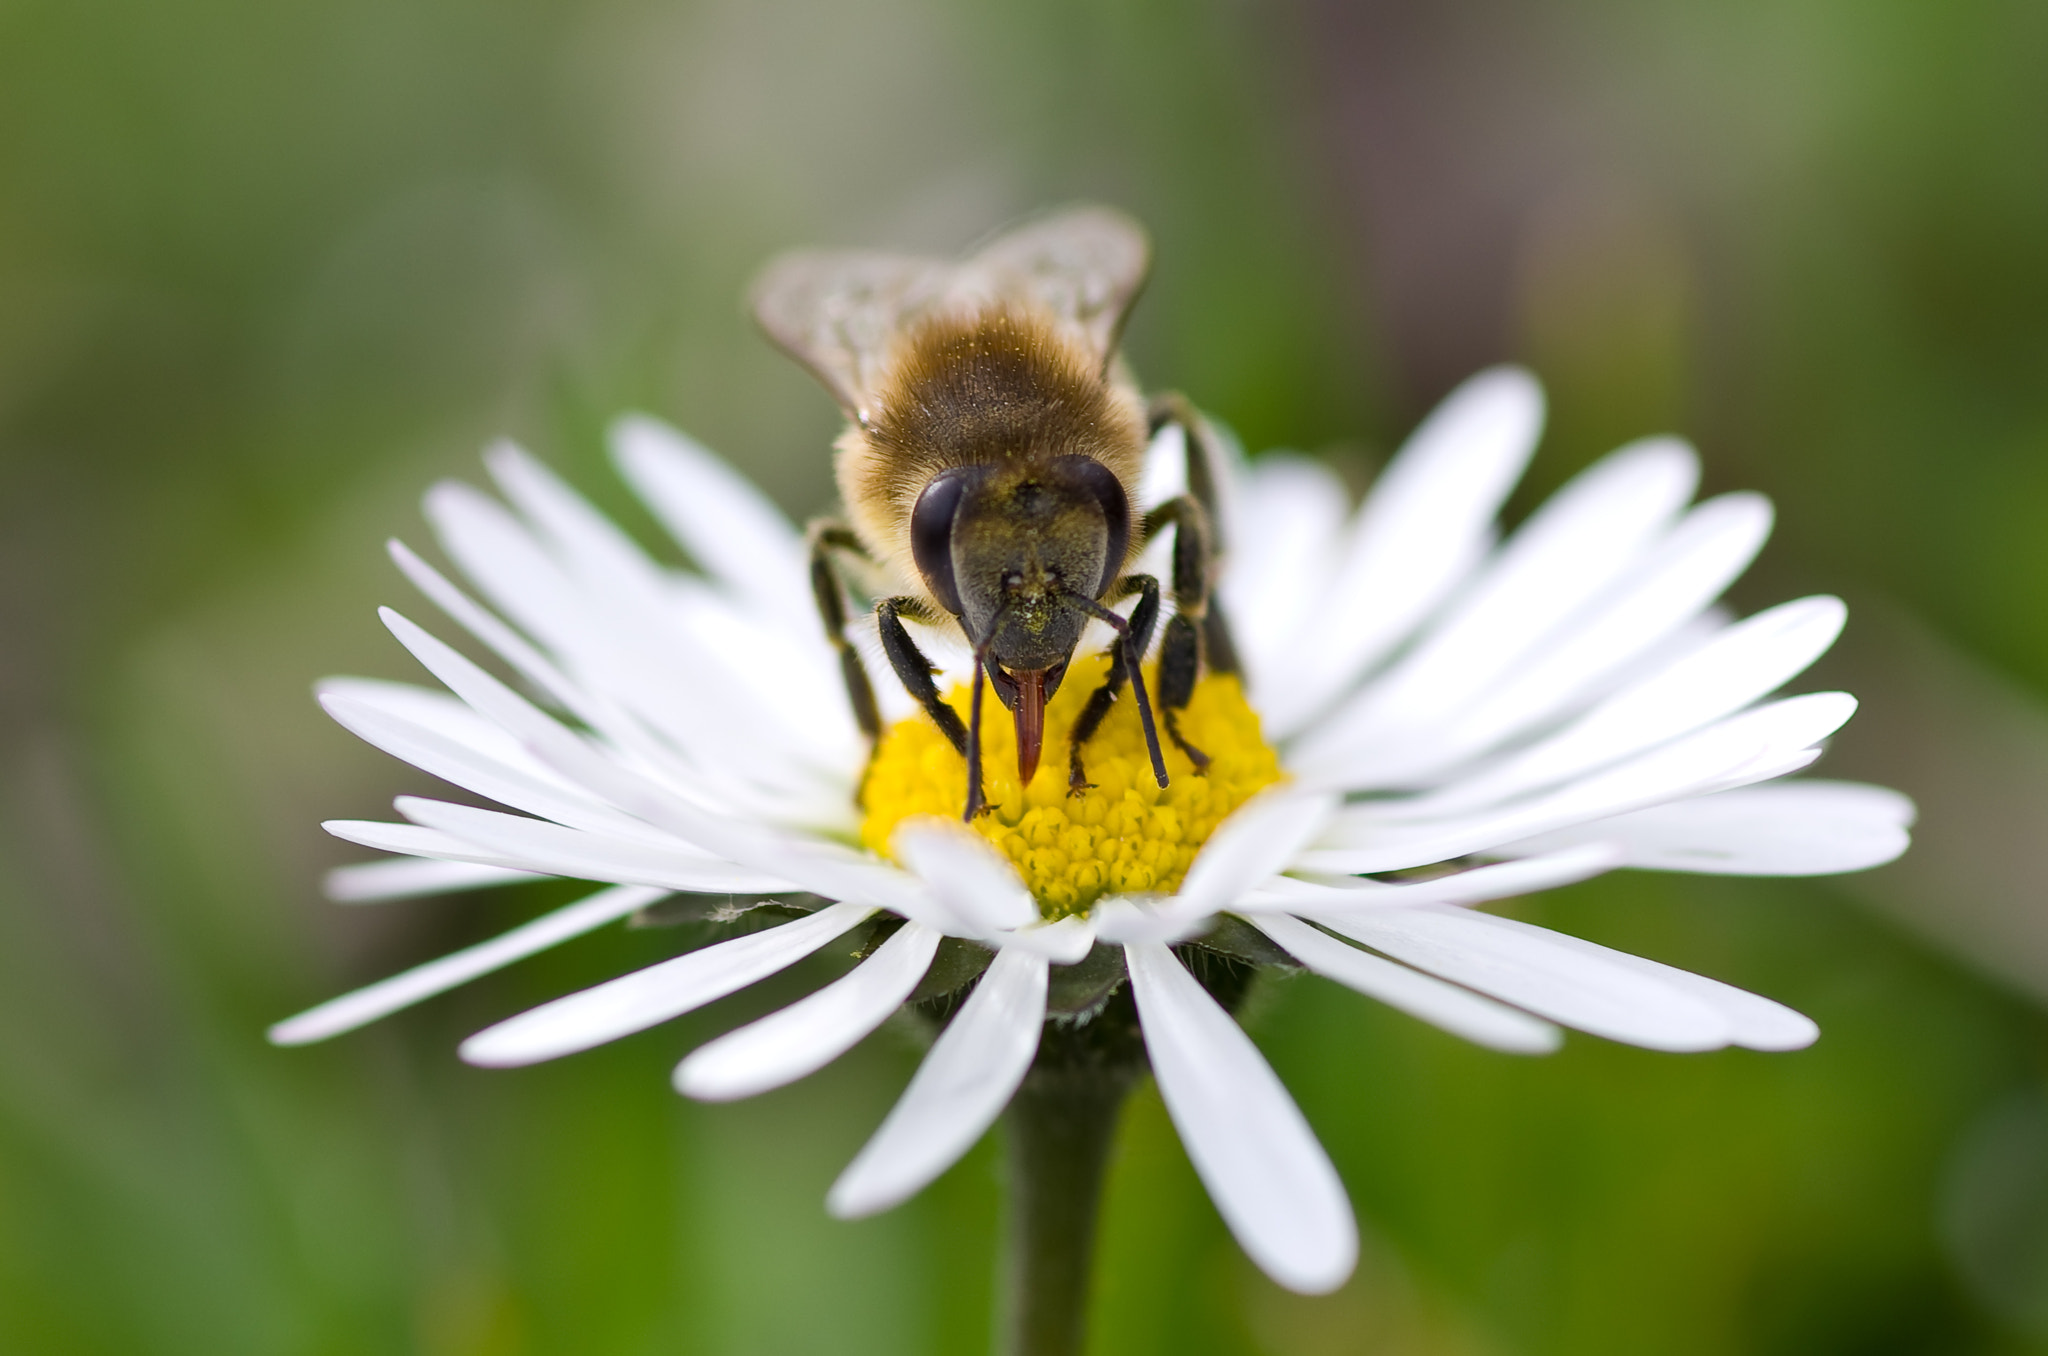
(1011, 551)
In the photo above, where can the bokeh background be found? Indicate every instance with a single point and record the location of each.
(268, 268)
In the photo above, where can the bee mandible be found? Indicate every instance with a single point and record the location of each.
(989, 469)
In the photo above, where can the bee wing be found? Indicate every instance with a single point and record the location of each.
(838, 311)
(1085, 264)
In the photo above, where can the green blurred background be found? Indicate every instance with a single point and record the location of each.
(268, 268)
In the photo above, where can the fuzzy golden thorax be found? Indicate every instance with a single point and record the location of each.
(1008, 389)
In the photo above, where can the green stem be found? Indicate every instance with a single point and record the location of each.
(1060, 1125)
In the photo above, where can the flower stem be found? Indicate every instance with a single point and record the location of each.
(1060, 1125)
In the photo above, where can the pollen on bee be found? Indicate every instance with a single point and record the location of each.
(1125, 834)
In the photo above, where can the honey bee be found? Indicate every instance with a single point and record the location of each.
(989, 469)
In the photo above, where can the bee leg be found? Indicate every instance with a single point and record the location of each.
(1143, 618)
(1180, 650)
(1204, 468)
(1180, 660)
(826, 537)
(977, 802)
(913, 670)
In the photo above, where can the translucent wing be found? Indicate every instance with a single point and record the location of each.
(1085, 264)
(838, 311)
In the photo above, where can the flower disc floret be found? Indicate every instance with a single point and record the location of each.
(1125, 834)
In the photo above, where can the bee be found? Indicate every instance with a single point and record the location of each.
(989, 470)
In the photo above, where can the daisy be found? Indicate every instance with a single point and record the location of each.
(1429, 719)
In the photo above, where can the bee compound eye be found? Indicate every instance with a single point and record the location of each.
(931, 532)
(1100, 484)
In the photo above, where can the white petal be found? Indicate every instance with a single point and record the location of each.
(790, 676)
(409, 877)
(1064, 941)
(958, 1091)
(433, 752)
(651, 996)
(501, 639)
(838, 872)
(352, 1010)
(1427, 520)
(1270, 1180)
(811, 1032)
(615, 639)
(1458, 1011)
(414, 841)
(554, 850)
(1255, 842)
(1797, 828)
(749, 694)
(966, 873)
(524, 836)
(1569, 551)
(816, 866)
(500, 555)
(1276, 572)
(1501, 880)
(1753, 1020)
(594, 707)
(1121, 919)
(435, 709)
(1573, 983)
(605, 559)
(728, 527)
(677, 648)
(1692, 635)
(542, 737)
(1743, 663)
(1757, 745)
(1165, 473)
(1674, 582)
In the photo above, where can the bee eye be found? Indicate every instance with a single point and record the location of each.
(931, 532)
(1100, 484)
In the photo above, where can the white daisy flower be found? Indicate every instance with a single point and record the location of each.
(1428, 720)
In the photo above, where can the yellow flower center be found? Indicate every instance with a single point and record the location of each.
(1123, 835)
